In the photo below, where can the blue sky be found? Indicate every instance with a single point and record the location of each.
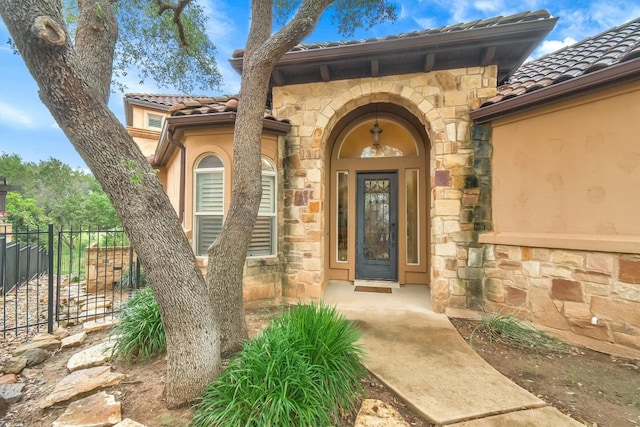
(27, 128)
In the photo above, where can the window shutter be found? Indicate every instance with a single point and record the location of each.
(267, 203)
(209, 227)
(262, 240)
(210, 191)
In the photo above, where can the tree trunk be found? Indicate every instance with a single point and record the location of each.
(227, 254)
(143, 207)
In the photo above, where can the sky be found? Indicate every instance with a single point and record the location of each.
(28, 130)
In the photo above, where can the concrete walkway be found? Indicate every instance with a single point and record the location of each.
(421, 356)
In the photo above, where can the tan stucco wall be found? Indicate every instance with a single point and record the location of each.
(146, 138)
(262, 276)
(566, 237)
(441, 102)
(566, 175)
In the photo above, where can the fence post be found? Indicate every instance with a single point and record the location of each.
(50, 313)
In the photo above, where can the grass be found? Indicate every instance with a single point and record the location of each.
(303, 370)
(140, 331)
(518, 332)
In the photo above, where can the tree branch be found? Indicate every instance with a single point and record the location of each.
(177, 9)
(302, 23)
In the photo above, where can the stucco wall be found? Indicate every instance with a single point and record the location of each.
(565, 216)
(566, 175)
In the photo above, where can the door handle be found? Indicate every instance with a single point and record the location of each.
(392, 234)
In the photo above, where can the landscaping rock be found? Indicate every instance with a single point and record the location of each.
(61, 333)
(127, 422)
(93, 356)
(36, 356)
(98, 325)
(9, 379)
(74, 340)
(11, 393)
(97, 410)
(15, 365)
(4, 406)
(44, 336)
(376, 413)
(49, 344)
(80, 382)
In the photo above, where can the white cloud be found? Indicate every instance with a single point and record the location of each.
(549, 46)
(14, 117)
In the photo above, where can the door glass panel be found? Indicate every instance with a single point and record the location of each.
(413, 231)
(377, 196)
(343, 216)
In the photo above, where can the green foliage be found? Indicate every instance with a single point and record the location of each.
(140, 331)
(24, 212)
(519, 333)
(303, 370)
(346, 15)
(51, 191)
(151, 43)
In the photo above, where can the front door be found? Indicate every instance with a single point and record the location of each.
(376, 226)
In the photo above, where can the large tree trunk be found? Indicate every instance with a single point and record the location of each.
(144, 208)
(228, 253)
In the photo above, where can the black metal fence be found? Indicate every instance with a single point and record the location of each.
(52, 277)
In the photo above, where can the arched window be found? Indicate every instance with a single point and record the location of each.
(209, 201)
(263, 240)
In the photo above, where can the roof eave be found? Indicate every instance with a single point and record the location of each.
(614, 75)
(536, 30)
(164, 150)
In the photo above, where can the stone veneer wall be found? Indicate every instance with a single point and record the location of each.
(462, 253)
(441, 100)
(262, 278)
(567, 290)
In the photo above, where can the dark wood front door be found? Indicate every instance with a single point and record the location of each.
(376, 226)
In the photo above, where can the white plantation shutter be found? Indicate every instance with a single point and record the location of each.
(264, 233)
(208, 227)
(267, 203)
(210, 192)
(209, 202)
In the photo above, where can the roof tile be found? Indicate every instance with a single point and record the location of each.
(491, 22)
(607, 49)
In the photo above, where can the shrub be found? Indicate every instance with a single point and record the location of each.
(519, 333)
(303, 370)
(140, 332)
(128, 279)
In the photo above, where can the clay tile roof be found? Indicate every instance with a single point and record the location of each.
(614, 46)
(491, 22)
(160, 101)
(187, 105)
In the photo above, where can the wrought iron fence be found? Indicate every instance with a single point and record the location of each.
(52, 277)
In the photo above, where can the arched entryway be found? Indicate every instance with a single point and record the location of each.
(378, 198)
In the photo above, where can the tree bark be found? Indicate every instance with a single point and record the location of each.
(137, 195)
(227, 254)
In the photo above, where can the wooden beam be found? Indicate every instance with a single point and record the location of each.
(429, 62)
(375, 68)
(325, 74)
(487, 55)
